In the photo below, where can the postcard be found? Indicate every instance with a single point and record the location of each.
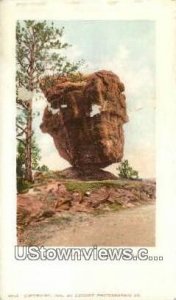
(87, 157)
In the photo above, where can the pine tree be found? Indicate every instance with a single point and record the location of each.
(39, 52)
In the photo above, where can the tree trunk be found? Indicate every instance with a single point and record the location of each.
(28, 162)
(29, 118)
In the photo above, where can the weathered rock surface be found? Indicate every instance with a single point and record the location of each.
(86, 174)
(86, 124)
(46, 201)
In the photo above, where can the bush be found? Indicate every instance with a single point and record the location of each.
(23, 185)
(43, 168)
(127, 172)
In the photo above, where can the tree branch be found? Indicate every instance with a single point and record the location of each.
(21, 141)
(23, 103)
(23, 130)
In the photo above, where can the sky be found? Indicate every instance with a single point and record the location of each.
(128, 49)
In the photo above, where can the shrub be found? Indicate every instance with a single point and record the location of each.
(126, 171)
(22, 185)
(43, 168)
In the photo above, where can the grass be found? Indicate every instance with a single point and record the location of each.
(98, 212)
(112, 207)
(84, 186)
(60, 220)
(115, 206)
(36, 189)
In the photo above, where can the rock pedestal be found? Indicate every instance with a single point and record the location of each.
(85, 117)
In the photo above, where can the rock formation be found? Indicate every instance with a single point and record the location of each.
(85, 117)
(48, 199)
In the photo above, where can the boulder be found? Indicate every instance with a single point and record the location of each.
(85, 118)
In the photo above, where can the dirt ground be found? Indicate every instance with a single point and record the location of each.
(127, 227)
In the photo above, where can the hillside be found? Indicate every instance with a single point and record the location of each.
(49, 199)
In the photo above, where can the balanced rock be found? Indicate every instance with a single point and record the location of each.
(85, 117)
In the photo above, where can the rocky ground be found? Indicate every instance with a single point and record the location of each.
(62, 207)
(126, 227)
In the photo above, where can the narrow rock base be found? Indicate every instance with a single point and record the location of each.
(87, 174)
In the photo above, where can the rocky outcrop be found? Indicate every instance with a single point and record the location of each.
(85, 118)
(86, 174)
(47, 200)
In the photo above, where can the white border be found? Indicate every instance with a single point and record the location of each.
(152, 280)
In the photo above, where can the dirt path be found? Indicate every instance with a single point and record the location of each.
(128, 227)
